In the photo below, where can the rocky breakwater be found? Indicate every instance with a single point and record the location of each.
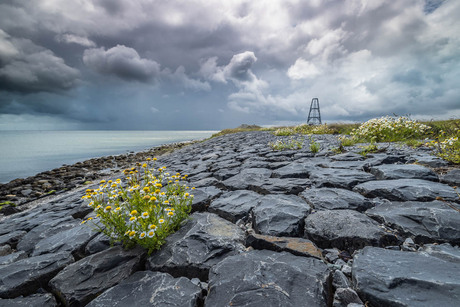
(16, 194)
(268, 228)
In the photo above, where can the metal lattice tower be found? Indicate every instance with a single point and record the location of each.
(314, 116)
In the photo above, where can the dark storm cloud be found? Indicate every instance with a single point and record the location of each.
(121, 61)
(26, 67)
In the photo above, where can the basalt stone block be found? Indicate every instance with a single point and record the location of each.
(338, 178)
(345, 296)
(248, 178)
(34, 300)
(12, 238)
(282, 186)
(426, 222)
(266, 278)
(87, 278)
(280, 215)
(25, 276)
(202, 242)
(452, 177)
(295, 246)
(148, 288)
(44, 231)
(98, 244)
(346, 230)
(406, 190)
(332, 199)
(202, 197)
(348, 156)
(403, 171)
(428, 160)
(224, 174)
(72, 240)
(28, 220)
(294, 170)
(396, 278)
(13, 257)
(234, 205)
(207, 182)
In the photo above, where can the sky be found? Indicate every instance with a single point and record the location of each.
(213, 64)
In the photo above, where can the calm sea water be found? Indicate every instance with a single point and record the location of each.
(26, 153)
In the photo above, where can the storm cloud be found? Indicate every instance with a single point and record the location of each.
(209, 64)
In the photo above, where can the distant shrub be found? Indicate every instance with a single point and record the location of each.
(290, 143)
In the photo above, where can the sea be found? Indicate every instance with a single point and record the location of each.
(26, 153)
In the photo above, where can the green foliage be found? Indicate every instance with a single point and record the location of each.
(372, 147)
(390, 129)
(303, 129)
(144, 209)
(8, 203)
(290, 143)
(314, 146)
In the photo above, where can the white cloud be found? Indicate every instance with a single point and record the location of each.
(75, 39)
(302, 69)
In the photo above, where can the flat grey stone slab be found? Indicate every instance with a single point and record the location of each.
(13, 257)
(348, 156)
(280, 215)
(202, 242)
(426, 222)
(25, 276)
(148, 288)
(452, 177)
(346, 230)
(202, 197)
(34, 300)
(403, 171)
(428, 160)
(266, 278)
(247, 178)
(333, 198)
(338, 178)
(12, 238)
(294, 170)
(72, 240)
(407, 189)
(87, 278)
(47, 229)
(235, 205)
(396, 278)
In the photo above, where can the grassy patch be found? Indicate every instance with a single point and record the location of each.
(290, 143)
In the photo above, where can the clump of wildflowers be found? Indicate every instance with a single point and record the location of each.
(447, 148)
(143, 208)
(390, 129)
(290, 143)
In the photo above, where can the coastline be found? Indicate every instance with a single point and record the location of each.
(18, 192)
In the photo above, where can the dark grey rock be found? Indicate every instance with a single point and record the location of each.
(200, 176)
(224, 173)
(265, 278)
(345, 296)
(5, 250)
(348, 156)
(280, 215)
(98, 244)
(34, 300)
(25, 276)
(452, 177)
(442, 251)
(87, 278)
(332, 198)
(427, 160)
(44, 231)
(235, 205)
(338, 178)
(406, 189)
(295, 246)
(426, 222)
(248, 179)
(339, 280)
(203, 197)
(294, 170)
(403, 171)
(207, 182)
(396, 278)
(346, 230)
(201, 243)
(282, 186)
(151, 289)
(13, 257)
(72, 240)
(12, 238)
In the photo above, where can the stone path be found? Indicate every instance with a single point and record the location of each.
(269, 228)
